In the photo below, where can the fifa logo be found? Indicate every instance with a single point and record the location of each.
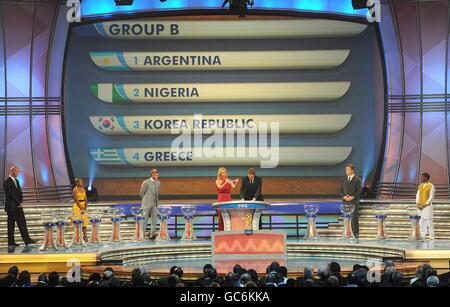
(374, 14)
(74, 11)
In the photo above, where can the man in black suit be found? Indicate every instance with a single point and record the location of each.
(14, 208)
(251, 187)
(351, 188)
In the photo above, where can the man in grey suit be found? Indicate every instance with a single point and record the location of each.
(150, 199)
(351, 188)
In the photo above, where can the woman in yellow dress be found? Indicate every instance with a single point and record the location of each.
(79, 209)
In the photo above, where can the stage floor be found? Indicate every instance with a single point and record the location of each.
(435, 245)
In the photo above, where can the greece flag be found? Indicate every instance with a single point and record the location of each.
(106, 155)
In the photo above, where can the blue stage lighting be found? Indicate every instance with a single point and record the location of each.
(91, 193)
(359, 4)
(106, 8)
(239, 7)
(124, 2)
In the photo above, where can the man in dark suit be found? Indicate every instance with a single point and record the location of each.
(14, 209)
(251, 187)
(351, 188)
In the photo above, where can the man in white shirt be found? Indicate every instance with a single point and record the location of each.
(424, 198)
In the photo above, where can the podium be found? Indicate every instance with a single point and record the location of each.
(241, 215)
(242, 238)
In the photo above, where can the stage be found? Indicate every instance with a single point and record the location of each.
(285, 216)
(157, 258)
(249, 131)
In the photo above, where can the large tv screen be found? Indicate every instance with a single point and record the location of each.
(187, 95)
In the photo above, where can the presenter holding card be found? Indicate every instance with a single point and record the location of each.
(224, 186)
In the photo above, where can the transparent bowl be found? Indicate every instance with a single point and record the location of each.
(137, 211)
(189, 210)
(347, 208)
(380, 209)
(412, 210)
(311, 208)
(164, 210)
(117, 211)
(95, 214)
(61, 215)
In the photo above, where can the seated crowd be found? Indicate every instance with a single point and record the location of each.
(276, 276)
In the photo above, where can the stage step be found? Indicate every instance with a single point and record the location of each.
(397, 222)
(36, 214)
